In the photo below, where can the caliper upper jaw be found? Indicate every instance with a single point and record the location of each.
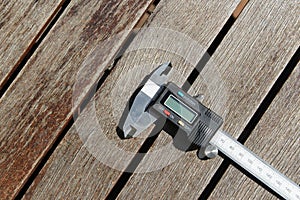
(138, 118)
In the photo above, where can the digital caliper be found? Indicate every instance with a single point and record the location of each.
(186, 118)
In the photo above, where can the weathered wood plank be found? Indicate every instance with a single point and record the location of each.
(94, 179)
(38, 105)
(249, 60)
(21, 23)
(276, 139)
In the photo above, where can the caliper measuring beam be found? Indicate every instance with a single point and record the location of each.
(194, 126)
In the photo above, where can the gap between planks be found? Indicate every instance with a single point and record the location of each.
(141, 22)
(239, 8)
(34, 44)
(15, 177)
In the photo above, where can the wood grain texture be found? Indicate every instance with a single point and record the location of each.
(67, 176)
(21, 23)
(38, 105)
(276, 139)
(236, 79)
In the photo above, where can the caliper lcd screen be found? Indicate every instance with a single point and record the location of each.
(180, 109)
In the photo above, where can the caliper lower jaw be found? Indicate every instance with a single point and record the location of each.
(133, 129)
(139, 118)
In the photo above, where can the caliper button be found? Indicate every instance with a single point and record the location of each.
(180, 123)
(180, 94)
(167, 113)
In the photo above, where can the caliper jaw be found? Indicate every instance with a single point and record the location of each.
(138, 118)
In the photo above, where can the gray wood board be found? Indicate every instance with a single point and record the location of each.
(20, 25)
(275, 139)
(38, 105)
(237, 78)
(72, 175)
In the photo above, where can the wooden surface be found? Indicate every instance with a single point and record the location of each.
(37, 108)
(38, 105)
(275, 139)
(249, 60)
(53, 179)
(21, 23)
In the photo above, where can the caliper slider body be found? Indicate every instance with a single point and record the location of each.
(186, 117)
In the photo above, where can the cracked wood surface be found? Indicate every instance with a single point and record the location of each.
(38, 105)
(71, 170)
(20, 25)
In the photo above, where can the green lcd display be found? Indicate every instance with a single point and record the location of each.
(180, 109)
